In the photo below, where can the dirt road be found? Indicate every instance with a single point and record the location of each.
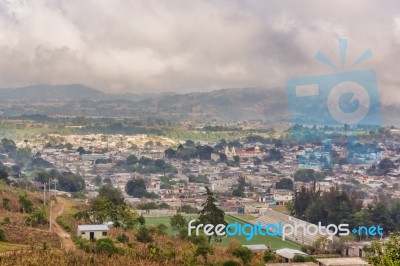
(58, 209)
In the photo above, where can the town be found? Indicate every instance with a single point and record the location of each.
(256, 179)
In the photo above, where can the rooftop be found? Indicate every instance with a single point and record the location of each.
(256, 247)
(342, 262)
(93, 227)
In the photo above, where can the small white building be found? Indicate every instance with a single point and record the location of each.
(93, 231)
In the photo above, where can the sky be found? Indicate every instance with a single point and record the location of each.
(185, 46)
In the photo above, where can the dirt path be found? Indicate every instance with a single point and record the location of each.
(58, 209)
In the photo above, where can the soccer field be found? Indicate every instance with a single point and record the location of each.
(270, 241)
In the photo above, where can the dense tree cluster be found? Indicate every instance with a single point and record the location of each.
(137, 188)
(336, 206)
(383, 168)
(66, 181)
(190, 151)
(308, 175)
(274, 155)
(146, 165)
(284, 183)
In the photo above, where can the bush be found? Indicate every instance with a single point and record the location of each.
(83, 244)
(161, 229)
(46, 245)
(64, 223)
(2, 235)
(123, 238)
(269, 256)
(107, 246)
(231, 263)
(6, 220)
(6, 204)
(243, 253)
(299, 258)
(143, 235)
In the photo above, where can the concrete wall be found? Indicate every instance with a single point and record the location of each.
(97, 234)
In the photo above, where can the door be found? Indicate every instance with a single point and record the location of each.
(91, 236)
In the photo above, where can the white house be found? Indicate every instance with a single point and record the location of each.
(93, 231)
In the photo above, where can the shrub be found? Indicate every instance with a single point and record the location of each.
(161, 229)
(6, 204)
(123, 238)
(269, 256)
(232, 245)
(299, 258)
(143, 235)
(243, 253)
(6, 220)
(46, 245)
(2, 235)
(107, 246)
(231, 263)
(64, 223)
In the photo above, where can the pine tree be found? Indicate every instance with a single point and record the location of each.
(211, 213)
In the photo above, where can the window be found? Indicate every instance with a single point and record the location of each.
(82, 233)
(104, 233)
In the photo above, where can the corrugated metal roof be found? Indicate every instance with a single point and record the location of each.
(256, 247)
(93, 227)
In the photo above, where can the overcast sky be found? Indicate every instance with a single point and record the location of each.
(181, 45)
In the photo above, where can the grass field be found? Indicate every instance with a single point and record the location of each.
(270, 241)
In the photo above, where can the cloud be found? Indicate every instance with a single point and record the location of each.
(181, 45)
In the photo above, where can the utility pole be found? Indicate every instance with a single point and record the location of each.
(51, 212)
(44, 194)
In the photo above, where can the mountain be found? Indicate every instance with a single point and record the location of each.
(46, 92)
(78, 99)
(68, 92)
(226, 104)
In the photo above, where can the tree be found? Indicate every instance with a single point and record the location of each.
(211, 213)
(274, 155)
(285, 183)
(23, 155)
(143, 235)
(81, 150)
(161, 229)
(26, 204)
(386, 165)
(244, 253)
(4, 173)
(308, 175)
(70, 182)
(137, 188)
(385, 255)
(98, 180)
(131, 159)
(8, 146)
(238, 192)
(112, 194)
(177, 221)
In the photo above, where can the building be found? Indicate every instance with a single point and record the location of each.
(342, 262)
(93, 231)
(288, 254)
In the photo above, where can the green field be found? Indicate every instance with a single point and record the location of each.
(270, 241)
